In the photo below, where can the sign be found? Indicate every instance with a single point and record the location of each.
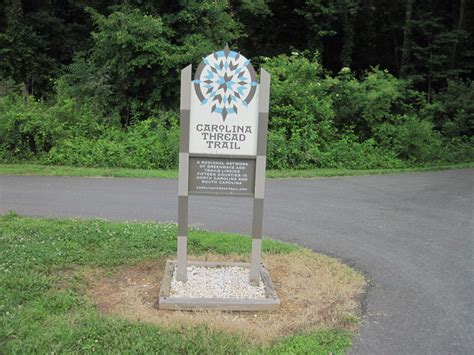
(224, 106)
(223, 141)
(221, 176)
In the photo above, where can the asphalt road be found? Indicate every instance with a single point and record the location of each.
(411, 234)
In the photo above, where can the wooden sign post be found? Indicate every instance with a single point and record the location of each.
(223, 141)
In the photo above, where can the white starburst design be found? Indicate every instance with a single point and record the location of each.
(226, 81)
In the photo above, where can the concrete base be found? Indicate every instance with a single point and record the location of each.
(270, 303)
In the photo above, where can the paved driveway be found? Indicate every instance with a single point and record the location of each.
(412, 234)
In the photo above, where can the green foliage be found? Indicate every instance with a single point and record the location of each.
(133, 50)
(63, 132)
(363, 104)
(321, 342)
(348, 153)
(133, 68)
(434, 51)
(88, 85)
(313, 116)
(146, 145)
(301, 113)
(38, 39)
(377, 121)
(28, 128)
(453, 109)
(207, 22)
(458, 150)
(411, 138)
(316, 120)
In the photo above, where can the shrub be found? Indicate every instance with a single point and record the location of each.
(411, 138)
(376, 98)
(453, 109)
(348, 153)
(27, 127)
(65, 133)
(316, 120)
(146, 145)
(301, 117)
(458, 150)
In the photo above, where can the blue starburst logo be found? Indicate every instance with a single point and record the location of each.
(226, 81)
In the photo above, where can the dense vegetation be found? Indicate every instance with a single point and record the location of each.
(355, 83)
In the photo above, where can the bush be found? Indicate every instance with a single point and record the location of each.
(133, 66)
(65, 133)
(348, 153)
(377, 121)
(458, 150)
(146, 145)
(363, 104)
(316, 120)
(453, 109)
(27, 127)
(411, 138)
(301, 114)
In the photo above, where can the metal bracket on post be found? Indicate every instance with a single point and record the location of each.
(183, 194)
(257, 224)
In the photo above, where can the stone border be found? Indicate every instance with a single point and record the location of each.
(271, 303)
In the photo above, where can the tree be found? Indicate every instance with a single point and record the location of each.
(137, 57)
(349, 9)
(406, 39)
(38, 38)
(459, 31)
(18, 44)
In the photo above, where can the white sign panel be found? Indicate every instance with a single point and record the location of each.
(224, 106)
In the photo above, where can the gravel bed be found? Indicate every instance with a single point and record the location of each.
(216, 282)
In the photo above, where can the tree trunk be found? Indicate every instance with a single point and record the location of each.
(348, 19)
(459, 28)
(406, 48)
(430, 75)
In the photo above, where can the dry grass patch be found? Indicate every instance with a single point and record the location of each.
(315, 292)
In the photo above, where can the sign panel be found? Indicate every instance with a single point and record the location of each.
(224, 106)
(223, 141)
(221, 176)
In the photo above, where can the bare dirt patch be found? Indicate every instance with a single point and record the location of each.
(315, 291)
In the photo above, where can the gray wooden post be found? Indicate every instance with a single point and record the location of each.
(257, 224)
(183, 195)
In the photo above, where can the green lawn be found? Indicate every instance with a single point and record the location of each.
(32, 169)
(44, 307)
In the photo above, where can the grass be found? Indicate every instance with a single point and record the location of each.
(47, 170)
(44, 307)
(310, 173)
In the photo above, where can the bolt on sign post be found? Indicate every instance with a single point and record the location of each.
(223, 141)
